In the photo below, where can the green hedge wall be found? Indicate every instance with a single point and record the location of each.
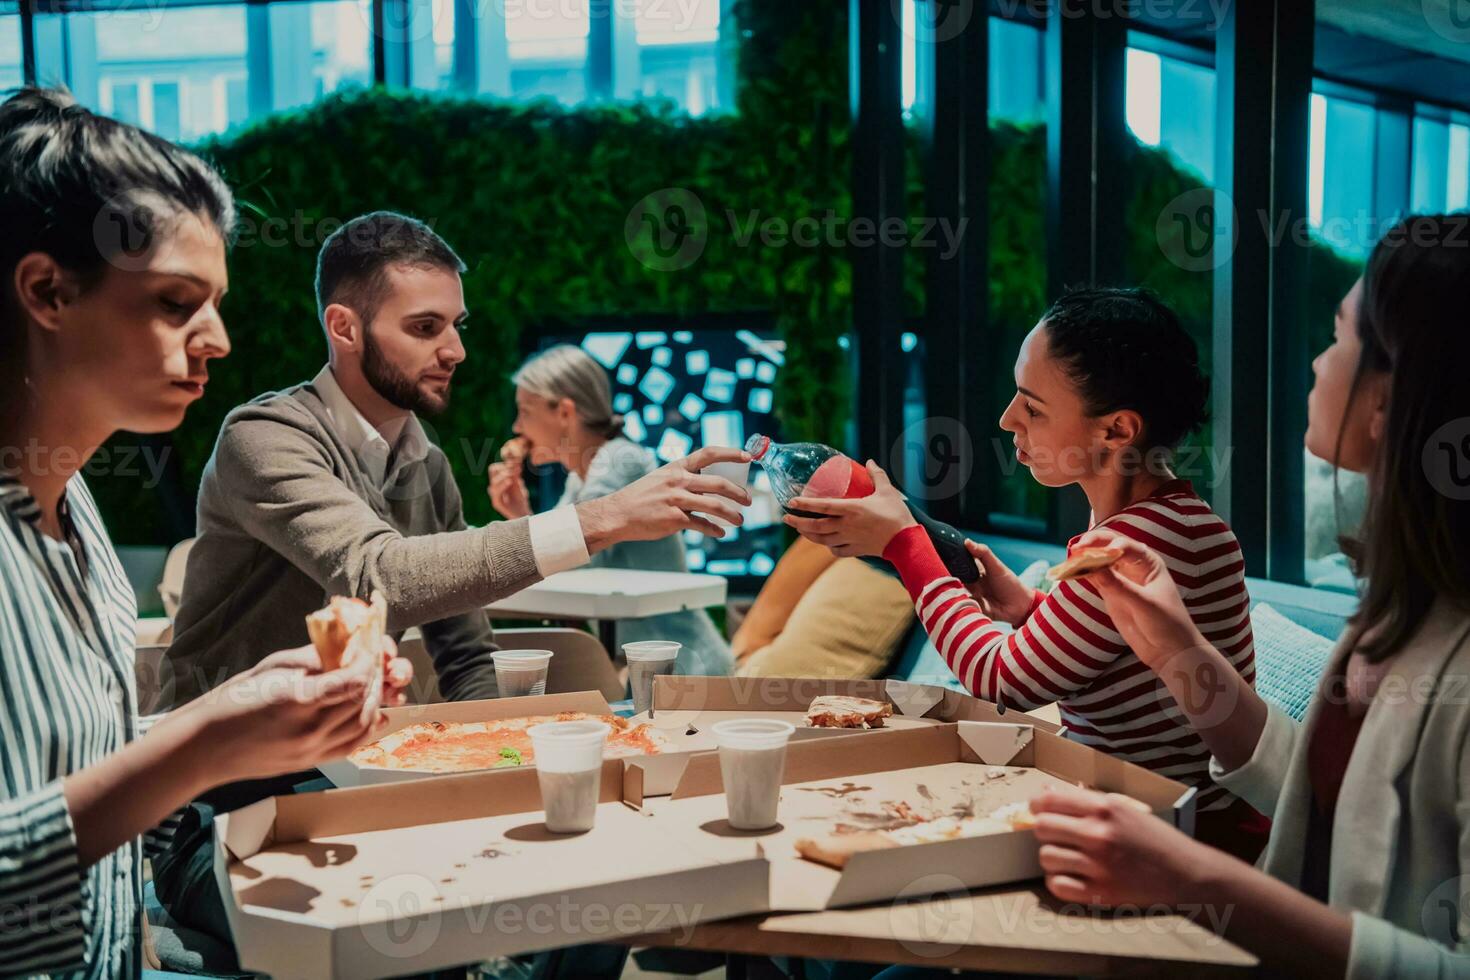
(536, 197)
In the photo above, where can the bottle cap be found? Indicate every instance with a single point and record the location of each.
(757, 445)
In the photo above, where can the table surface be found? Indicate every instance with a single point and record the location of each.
(1009, 929)
(613, 593)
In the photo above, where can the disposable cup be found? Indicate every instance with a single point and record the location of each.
(521, 673)
(568, 758)
(736, 473)
(752, 762)
(646, 660)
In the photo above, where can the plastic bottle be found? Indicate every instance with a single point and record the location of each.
(811, 469)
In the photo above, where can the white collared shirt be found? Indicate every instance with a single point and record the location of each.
(556, 536)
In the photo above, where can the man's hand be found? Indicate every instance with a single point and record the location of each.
(662, 503)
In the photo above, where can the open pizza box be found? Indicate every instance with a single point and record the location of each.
(345, 772)
(952, 770)
(396, 879)
(685, 709)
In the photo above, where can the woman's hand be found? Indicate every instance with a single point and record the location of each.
(285, 714)
(999, 591)
(1107, 849)
(507, 490)
(1142, 600)
(858, 526)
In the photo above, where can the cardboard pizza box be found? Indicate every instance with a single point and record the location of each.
(952, 768)
(345, 773)
(686, 708)
(403, 878)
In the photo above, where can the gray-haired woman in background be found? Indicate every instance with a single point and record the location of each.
(564, 415)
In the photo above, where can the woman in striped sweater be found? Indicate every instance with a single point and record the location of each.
(1107, 385)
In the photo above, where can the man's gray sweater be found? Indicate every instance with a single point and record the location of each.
(288, 518)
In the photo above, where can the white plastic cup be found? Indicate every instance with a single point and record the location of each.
(521, 673)
(752, 762)
(648, 659)
(736, 473)
(568, 758)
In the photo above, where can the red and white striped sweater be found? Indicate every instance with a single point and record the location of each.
(1068, 651)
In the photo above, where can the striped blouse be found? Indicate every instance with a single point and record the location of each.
(67, 700)
(1068, 651)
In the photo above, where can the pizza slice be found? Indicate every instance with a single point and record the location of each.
(352, 633)
(1082, 561)
(837, 848)
(842, 711)
(348, 629)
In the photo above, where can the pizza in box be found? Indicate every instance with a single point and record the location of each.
(466, 746)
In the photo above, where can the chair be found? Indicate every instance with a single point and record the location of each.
(580, 662)
(172, 587)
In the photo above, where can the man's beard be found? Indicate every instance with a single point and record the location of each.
(395, 387)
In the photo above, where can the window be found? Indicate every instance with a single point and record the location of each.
(1017, 91)
(678, 53)
(163, 69)
(547, 46)
(10, 51)
(187, 72)
(1441, 179)
(1341, 199)
(1171, 104)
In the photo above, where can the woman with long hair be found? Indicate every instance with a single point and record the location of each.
(1365, 871)
(1107, 385)
(114, 266)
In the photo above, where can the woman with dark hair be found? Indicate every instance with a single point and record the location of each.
(114, 266)
(1365, 871)
(1107, 384)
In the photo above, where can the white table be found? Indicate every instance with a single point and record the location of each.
(612, 594)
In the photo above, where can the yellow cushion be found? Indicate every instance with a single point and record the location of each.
(846, 625)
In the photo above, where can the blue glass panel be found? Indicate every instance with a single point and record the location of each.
(651, 338)
(674, 445)
(633, 428)
(760, 399)
(765, 372)
(663, 357)
(627, 374)
(745, 367)
(696, 361)
(692, 407)
(607, 348)
(761, 563)
(653, 414)
(719, 384)
(657, 384)
(623, 402)
(722, 429)
(683, 337)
